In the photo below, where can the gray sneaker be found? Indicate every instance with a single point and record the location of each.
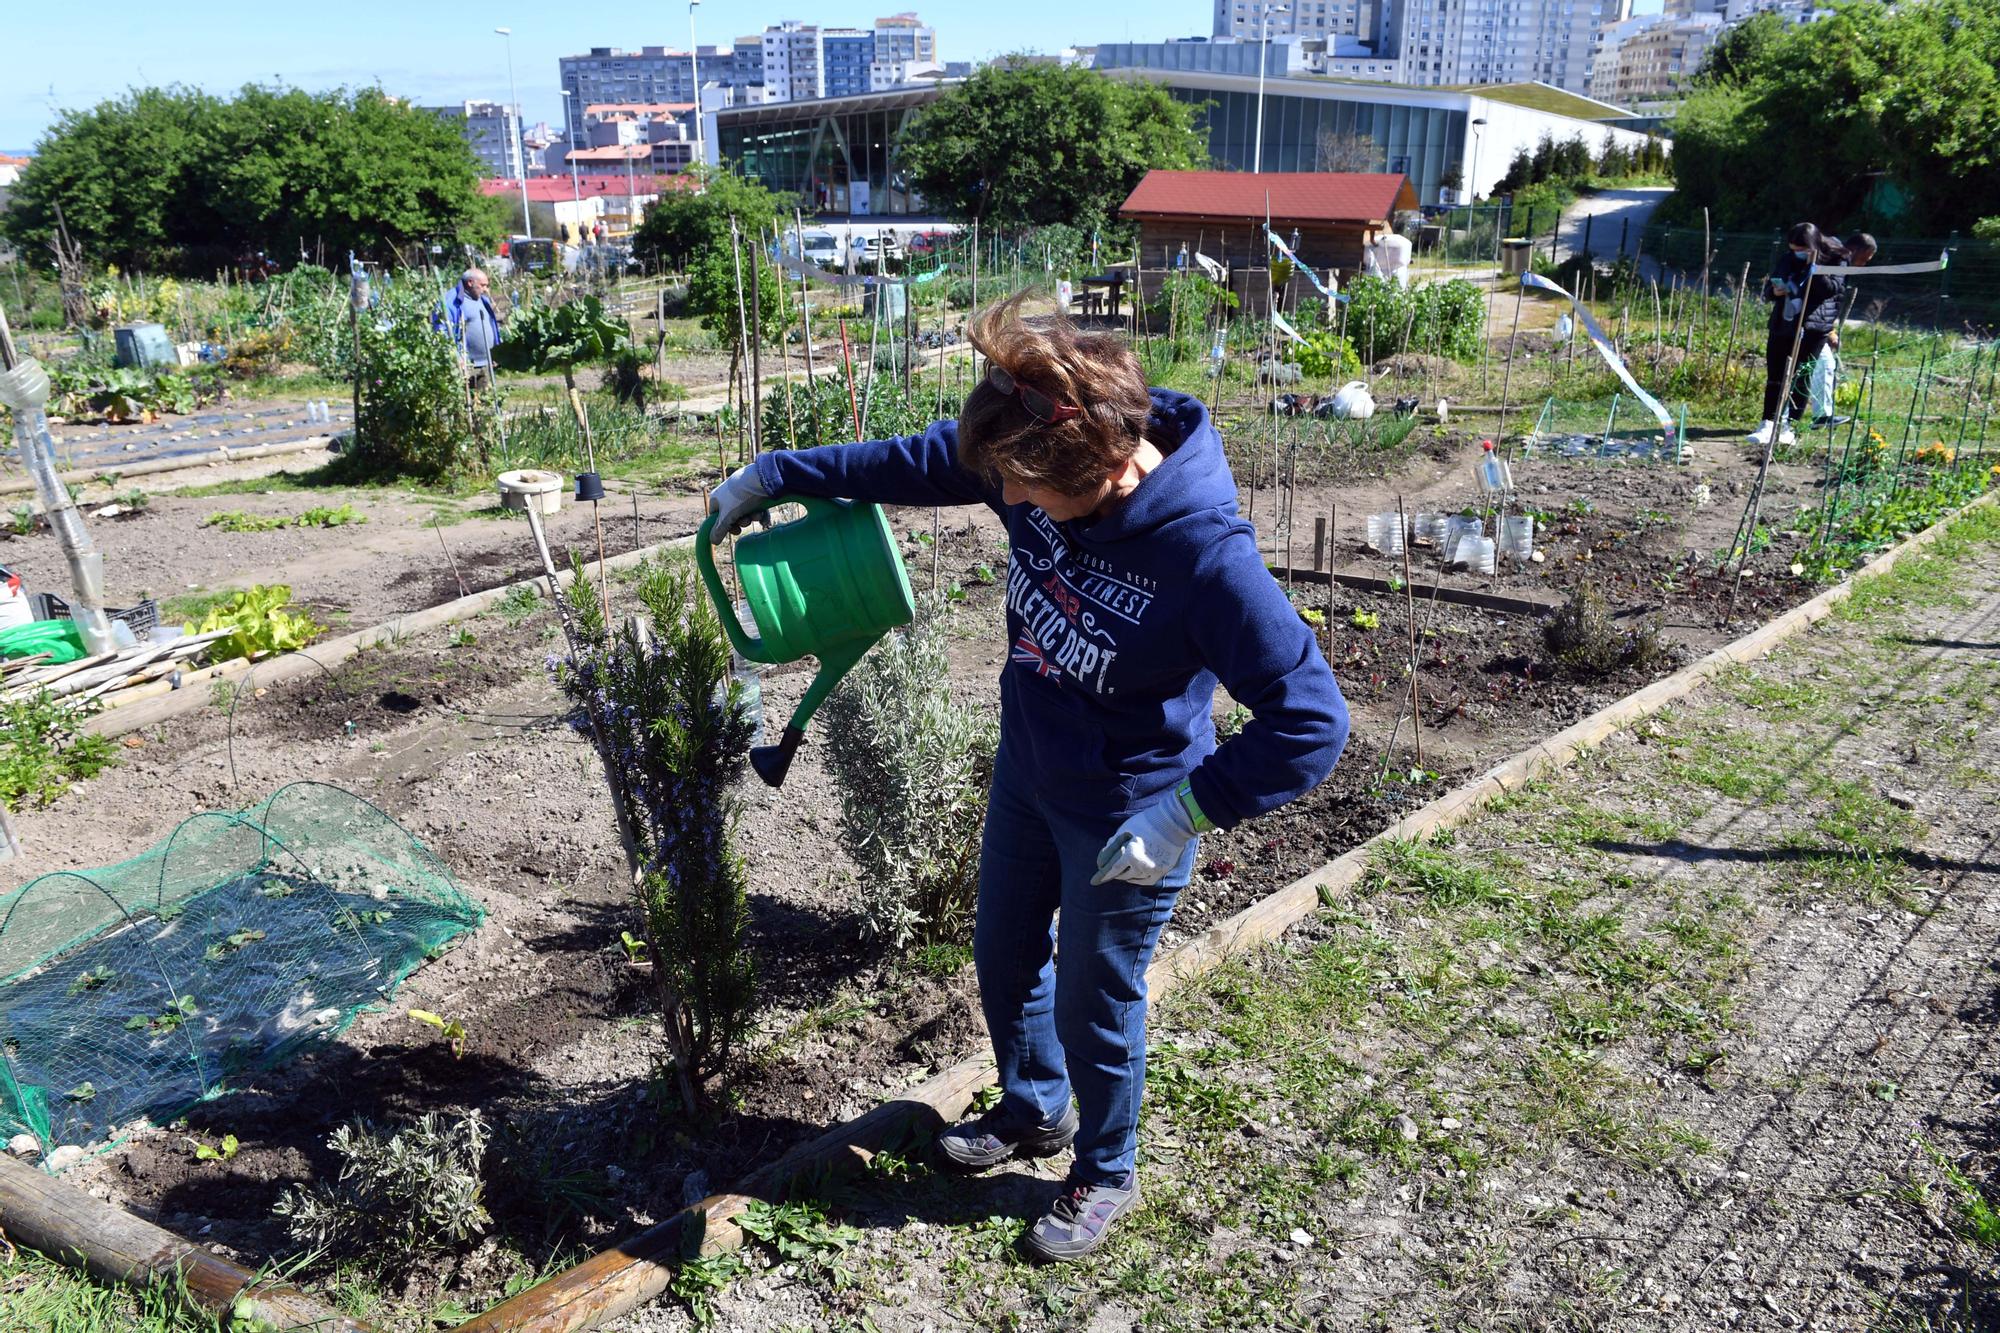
(1079, 1220)
(974, 1145)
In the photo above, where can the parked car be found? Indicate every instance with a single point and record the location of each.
(820, 247)
(884, 245)
(928, 242)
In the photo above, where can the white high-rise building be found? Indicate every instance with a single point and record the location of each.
(1245, 19)
(794, 62)
(1450, 42)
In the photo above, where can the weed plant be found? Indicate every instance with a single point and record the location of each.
(669, 721)
(44, 751)
(912, 766)
(1582, 638)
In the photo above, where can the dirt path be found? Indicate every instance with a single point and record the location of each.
(1609, 218)
(1699, 1035)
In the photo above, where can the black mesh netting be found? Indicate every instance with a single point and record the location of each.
(136, 990)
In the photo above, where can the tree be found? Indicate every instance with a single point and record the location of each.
(683, 223)
(175, 179)
(1346, 152)
(1022, 145)
(1814, 125)
(1742, 52)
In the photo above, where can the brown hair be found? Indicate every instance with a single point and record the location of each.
(1095, 372)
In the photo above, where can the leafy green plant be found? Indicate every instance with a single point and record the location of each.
(451, 1029)
(635, 948)
(1364, 619)
(912, 766)
(235, 942)
(800, 1232)
(400, 1196)
(96, 978)
(668, 720)
(561, 338)
(235, 520)
(176, 1013)
(83, 1092)
(220, 1153)
(44, 750)
(22, 521)
(1325, 356)
(259, 620)
(520, 602)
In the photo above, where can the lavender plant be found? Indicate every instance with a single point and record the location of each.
(656, 698)
(912, 765)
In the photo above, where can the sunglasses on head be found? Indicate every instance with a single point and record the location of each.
(1040, 406)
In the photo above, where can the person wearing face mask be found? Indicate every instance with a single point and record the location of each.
(1132, 588)
(1803, 313)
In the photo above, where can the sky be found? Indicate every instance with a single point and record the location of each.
(440, 51)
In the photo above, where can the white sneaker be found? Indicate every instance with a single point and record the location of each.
(1761, 435)
(1786, 437)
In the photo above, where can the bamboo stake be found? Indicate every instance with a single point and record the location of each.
(847, 365)
(1410, 602)
(437, 527)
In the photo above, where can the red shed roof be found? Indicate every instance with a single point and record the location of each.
(1295, 196)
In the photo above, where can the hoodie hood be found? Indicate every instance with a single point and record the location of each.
(1193, 478)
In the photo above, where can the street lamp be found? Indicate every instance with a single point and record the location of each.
(575, 189)
(520, 149)
(1263, 59)
(1478, 139)
(694, 64)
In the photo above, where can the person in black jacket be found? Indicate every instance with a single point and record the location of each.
(1797, 300)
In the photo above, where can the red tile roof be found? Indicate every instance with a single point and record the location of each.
(556, 189)
(1295, 196)
(612, 152)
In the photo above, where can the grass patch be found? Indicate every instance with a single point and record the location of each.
(36, 1293)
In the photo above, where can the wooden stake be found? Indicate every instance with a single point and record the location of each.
(438, 528)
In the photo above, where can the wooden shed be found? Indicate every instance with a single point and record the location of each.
(1222, 213)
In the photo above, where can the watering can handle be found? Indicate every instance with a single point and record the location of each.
(704, 559)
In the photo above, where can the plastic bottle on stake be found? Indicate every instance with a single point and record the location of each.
(1492, 472)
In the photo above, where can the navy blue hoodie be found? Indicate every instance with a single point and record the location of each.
(1119, 627)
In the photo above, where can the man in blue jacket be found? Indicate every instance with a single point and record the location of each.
(467, 315)
(1132, 589)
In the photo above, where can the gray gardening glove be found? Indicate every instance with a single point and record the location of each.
(25, 388)
(740, 498)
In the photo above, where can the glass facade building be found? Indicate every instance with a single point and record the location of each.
(1324, 133)
(838, 154)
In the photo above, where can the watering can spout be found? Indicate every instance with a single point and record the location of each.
(827, 586)
(772, 762)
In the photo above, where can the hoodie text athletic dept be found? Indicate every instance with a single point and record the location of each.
(1119, 627)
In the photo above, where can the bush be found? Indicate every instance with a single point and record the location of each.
(668, 719)
(1582, 638)
(1324, 356)
(400, 1196)
(543, 338)
(912, 765)
(415, 420)
(1446, 317)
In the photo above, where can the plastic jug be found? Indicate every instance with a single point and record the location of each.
(827, 585)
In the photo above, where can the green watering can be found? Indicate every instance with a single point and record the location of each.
(827, 585)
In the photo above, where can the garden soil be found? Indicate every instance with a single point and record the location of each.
(457, 734)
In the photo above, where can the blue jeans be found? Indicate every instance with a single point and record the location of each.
(1082, 1026)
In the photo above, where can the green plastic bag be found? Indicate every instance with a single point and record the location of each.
(60, 639)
